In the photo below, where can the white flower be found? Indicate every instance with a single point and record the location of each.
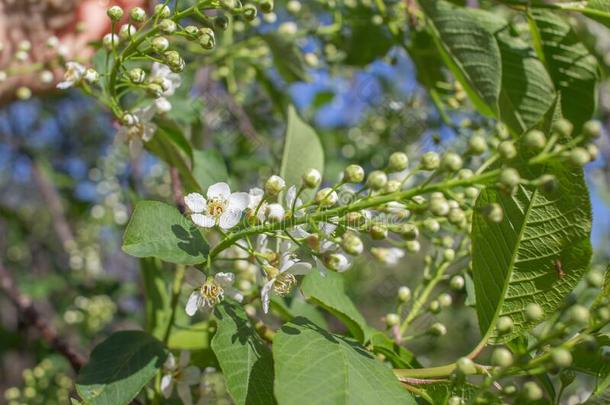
(73, 75)
(281, 278)
(168, 80)
(163, 105)
(389, 256)
(221, 208)
(91, 76)
(181, 375)
(291, 199)
(209, 291)
(275, 212)
(138, 127)
(255, 196)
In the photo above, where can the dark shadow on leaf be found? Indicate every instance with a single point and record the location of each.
(192, 241)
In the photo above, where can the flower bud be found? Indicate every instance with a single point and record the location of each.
(221, 22)
(392, 319)
(266, 6)
(465, 174)
(457, 282)
(207, 39)
(477, 145)
(456, 216)
(595, 279)
(493, 213)
(274, 185)
(378, 232)
(110, 41)
(398, 161)
(455, 400)
(592, 129)
(592, 150)
(127, 31)
(355, 219)
(192, 31)
(353, 174)
(404, 294)
(509, 390)
(509, 178)
(430, 161)
(504, 325)
(336, 262)
(413, 246)
(137, 14)
(445, 300)
(392, 186)
(115, 13)
(452, 162)
(167, 26)
(408, 231)
(501, 357)
(434, 307)
(439, 207)
(377, 180)
(174, 61)
(466, 366)
(548, 183)
(579, 315)
(563, 127)
(534, 140)
(352, 244)
(326, 197)
(249, 12)
(448, 255)
(579, 157)
(162, 10)
(561, 358)
(531, 391)
(137, 75)
(312, 178)
(437, 329)
(534, 312)
(431, 225)
(160, 44)
(23, 93)
(507, 150)
(129, 120)
(275, 212)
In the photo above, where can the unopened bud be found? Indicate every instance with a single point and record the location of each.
(501, 357)
(532, 392)
(477, 144)
(504, 325)
(312, 178)
(174, 61)
(274, 185)
(392, 186)
(445, 300)
(592, 150)
(110, 41)
(221, 22)
(378, 232)
(167, 26)
(353, 174)
(398, 161)
(127, 31)
(275, 212)
(493, 213)
(377, 180)
(392, 319)
(548, 183)
(430, 161)
(408, 231)
(137, 75)
(137, 14)
(326, 197)
(91, 76)
(115, 13)
(352, 244)
(509, 178)
(507, 150)
(404, 294)
(561, 358)
(431, 225)
(162, 11)
(456, 216)
(336, 262)
(249, 12)
(563, 127)
(452, 162)
(434, 307)
(592, 129)
(466, 366)
(207, 39)
(534, 140)
(413, 246)
(160, 44)
(437, 329)
(448, 255)
(266, 6)
(439, 207)
(579, 157)
(579, 315)
(457, 282)
(595, 279)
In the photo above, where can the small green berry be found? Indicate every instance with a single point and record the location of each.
(445, 300)
(504, 325)
(579, 157)
(404, 294)
(466, 366)
(561, 358)
(534, 312)
(507, 150)
(592, 129)
(595, 279)
(531, 391)
(392, 319)
(563, 127)
(457, 282)
(579, 315)
(534, 140)
(509, 178)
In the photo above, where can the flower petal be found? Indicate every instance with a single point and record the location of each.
(300, 268)
(219, 190)
(190, 375)
(229, 218)
(167, 385)
(185, 358)
(170, 363)
(195, 202)
(204, 221)
(234, 293)
(193, 303)
(225, 279)
(184, 392)
(239, 201)
(265, 294)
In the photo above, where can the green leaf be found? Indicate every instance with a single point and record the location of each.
(598, 10)
(119, 368)
(244, 358)
(192, 337)
(302, 150)
(209, 167)
(469, 50)
(329, 293)
(573, 68)
(315, 366)
(166, 150)
(157, 297)
(287, 58)
(527, 89)
(173, 133)
(159, 230)
(395, 354)
(514, 261)
(297, 307)
(593, 363)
